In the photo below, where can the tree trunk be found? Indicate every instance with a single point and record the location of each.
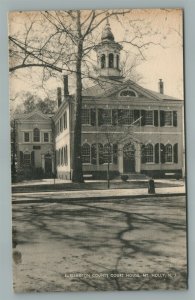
(108, 175)
(77, 174)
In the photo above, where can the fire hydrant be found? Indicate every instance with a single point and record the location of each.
(151, 186)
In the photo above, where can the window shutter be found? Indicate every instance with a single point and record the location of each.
(157, 146)
(162, 153)
(143, 154)
(162, 118)
(175, 153)
(32, 158)
(100, 117)
(114, 116)
(120, 116)
(136, 116)
(21, 157)
(93, 116)
(115, 153)
(101, 154)
(143, 113)
(156, 118)
(94, 154)
(175, 118)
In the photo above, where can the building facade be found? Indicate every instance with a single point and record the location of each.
(34, 145)
(125, 127)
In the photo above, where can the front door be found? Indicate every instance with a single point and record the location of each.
(48, 165)
(129, 158)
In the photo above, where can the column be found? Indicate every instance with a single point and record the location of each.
(107, 60)
(43, 162)
(137, 158)
(52, 162)
(120, 158)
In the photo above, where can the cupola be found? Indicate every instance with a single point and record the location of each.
(108, 54)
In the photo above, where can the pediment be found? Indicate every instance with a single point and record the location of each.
(36, 116)
(129, 90)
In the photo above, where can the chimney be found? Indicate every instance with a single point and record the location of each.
(161, 86)
(66, 92)
(59, 96)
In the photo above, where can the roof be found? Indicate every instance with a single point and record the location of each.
(105, 86)
(31, 114)
(162, 96)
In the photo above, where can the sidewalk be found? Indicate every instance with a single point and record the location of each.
(61, 196)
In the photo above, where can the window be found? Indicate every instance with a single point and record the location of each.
(86, 154)
(168, 118)
(36, 135)
(127, 117)
(107, 153)
(27, 159)
(111, 60)
(66, 155)
(61, 128)
(26, 137)
(46, 137)
(107, 116)
(85, 117)
(128, 93)
(65, 120)
(149, 117)
(117, 61)
(168, 153)
(149, 153)
(62, 162)
(103, 61)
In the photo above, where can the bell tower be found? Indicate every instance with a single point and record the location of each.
(108, 54)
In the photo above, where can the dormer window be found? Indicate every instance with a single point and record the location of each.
(128, 93)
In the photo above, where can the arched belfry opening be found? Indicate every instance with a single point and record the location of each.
(103, 61)
(108, 54)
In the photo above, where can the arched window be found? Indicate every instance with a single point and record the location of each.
(86, 154)
(168, 153)
(103, 61)
(108, 153)
(36, 135)
(111, 60)
(128, 93)
(149, 153)
(117, 61)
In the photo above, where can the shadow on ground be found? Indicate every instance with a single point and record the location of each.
(103, 245)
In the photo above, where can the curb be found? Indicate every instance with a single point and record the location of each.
(97, 198)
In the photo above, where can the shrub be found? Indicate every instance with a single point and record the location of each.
(124, 177)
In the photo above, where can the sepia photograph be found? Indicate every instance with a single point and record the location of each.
(97, 126)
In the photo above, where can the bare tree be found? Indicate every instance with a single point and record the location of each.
(62, 41)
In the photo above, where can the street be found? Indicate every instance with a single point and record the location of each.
(109, 244)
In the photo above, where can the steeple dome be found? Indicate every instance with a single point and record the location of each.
(107, 34)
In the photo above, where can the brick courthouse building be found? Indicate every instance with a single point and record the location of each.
(134, 129)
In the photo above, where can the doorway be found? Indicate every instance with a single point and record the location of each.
(129, 158)
(48, 165)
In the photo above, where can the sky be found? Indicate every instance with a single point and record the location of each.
(164, 60)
